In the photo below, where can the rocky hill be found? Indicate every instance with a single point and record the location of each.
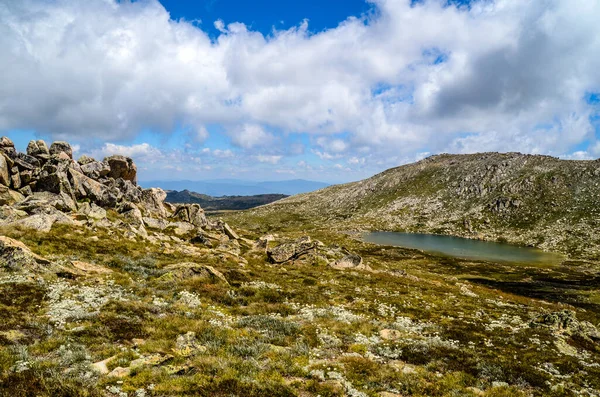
(223, 203)
(526, 199)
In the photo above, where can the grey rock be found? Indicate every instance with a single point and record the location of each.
(38, 149)
(8, 196)
(289, 251)
(57, 182)
(40, 200)
(8, 147)
(350, 261)
(188, 270)
(83, 160)
(4, 171)
(152, 202)
(61, 147)
(15, 180)
(14, 255)
(95, 169)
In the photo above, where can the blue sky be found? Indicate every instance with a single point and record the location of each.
(324, 90)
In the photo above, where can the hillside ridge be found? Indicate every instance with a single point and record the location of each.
(526, 199)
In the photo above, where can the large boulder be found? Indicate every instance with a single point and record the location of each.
(122, 167)
(26, 162)
(84, 187)
(57, 182)
(94, 169)
(191, 213)
(350, 261)
(14, 255)
(293, 250)
(188, 270)
(7, 146)
(4, 171)
(152, 202)
(39, 200)
(9, 197)
(38, 149)
(61, 147)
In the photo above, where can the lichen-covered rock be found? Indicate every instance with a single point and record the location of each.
(57, 182)
(38, 149)
(8, 196)
(94, 169)
(92, 211)
(4, 171)
(152, 202)
(61, 147)
(83, 160)
(39, 200)
(8, 147)
(14, 255)
(289, 251)
(566, 322)
(187, 270)
(350, 261)
(122, 167)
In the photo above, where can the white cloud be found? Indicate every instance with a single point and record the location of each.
(142, 151)
(514, 76)
(251, 135)
(271, 159)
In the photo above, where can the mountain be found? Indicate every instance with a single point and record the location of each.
(532, 200)
(223, 203)
(237, 187)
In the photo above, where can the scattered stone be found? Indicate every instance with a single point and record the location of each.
(90, 268)
(187, 345)
(390, 334)
(8, 196)
(101, 366)
(120, 372)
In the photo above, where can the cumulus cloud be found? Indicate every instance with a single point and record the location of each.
(408, 79)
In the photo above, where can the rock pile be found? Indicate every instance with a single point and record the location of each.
(46, 186)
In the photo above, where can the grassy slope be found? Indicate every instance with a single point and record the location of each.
(295, 330)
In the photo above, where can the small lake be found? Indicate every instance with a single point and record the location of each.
(464, 248)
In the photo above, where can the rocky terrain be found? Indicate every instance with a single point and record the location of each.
(531, 200)
(108, 290)
(223, 203)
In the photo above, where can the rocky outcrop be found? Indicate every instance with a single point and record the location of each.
(290, 251)
(46, 186)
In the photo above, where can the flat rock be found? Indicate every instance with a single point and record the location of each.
(14, 255)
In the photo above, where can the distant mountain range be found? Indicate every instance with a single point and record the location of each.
(224, 203)
(236, 187)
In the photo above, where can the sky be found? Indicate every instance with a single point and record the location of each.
(333, 91)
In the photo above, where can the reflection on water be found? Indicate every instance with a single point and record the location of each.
(463, 248)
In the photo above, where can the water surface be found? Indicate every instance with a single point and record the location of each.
(463, 247)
